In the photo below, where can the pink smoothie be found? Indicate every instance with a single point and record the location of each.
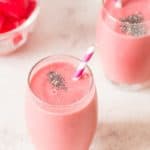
(61, 112)
(125, 56)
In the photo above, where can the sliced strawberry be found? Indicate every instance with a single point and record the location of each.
(2, 20)
(9, 24)
(31, 7)
(14, 8)
(14, 12)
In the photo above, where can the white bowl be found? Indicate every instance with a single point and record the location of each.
(12, 40)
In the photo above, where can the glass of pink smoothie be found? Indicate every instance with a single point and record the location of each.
(123, 41)
(61, 113)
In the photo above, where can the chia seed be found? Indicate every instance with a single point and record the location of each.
(57, 80)
(133, 25)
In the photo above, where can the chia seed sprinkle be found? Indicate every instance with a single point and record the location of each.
(57, 80)
(133, 25)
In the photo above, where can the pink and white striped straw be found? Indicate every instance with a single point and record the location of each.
(118, 3)
(82, 65)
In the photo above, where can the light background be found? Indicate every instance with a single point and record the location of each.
(68, 26)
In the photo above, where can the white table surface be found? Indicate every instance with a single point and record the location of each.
(68, 26)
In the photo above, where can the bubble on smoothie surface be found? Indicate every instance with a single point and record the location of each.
(133, 25)
(57, 80)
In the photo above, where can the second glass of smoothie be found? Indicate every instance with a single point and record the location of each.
(123, 40)
(61, 112)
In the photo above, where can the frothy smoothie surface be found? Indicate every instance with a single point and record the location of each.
(54, 84)
(129, 7)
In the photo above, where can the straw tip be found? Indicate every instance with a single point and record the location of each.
(91, 49)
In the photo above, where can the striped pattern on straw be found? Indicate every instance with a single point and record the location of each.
(82, 65)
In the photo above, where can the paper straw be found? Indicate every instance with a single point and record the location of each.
(82, 65)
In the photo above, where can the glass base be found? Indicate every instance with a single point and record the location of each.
(131, 87)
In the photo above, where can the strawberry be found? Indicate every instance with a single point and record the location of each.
(14, 8)
(2, 20)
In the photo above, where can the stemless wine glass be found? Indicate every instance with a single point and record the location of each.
(61, 127)
(123, 40)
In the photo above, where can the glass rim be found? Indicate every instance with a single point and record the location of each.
(24, 25)
(57, 108)
(117, 20)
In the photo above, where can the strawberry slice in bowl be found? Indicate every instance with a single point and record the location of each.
(16, 23)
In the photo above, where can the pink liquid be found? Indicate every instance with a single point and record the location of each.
(59, 128)
(125, 58)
